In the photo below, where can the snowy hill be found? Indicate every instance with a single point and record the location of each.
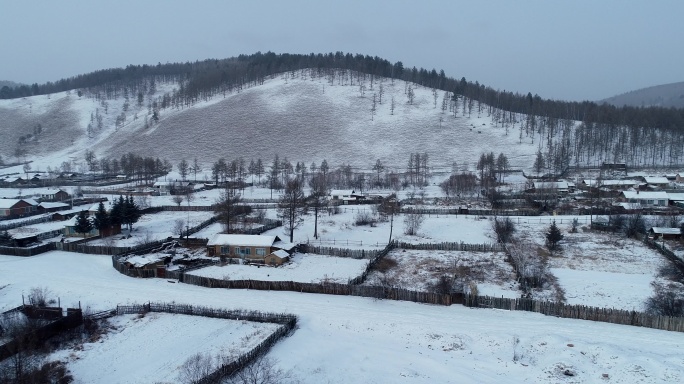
(298, 117)
(666, 96)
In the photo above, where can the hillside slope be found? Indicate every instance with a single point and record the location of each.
(666, 95)
(302, 119)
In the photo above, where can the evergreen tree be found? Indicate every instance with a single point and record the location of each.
(6, 239)
(102, 220)
(553, 236)
(83, 224)
(117, 212)
(131, 213)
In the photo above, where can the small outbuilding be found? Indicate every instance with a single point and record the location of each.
(665, 233)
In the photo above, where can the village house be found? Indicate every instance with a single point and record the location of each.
(345, 196)
(609, 184)
(172, 187)
(553, 187)
(261, 249)
(17, 207)
(54, 195)
(645, 199)
(45, 207)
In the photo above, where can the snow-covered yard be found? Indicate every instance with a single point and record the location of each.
(153, 227)
(420, 270)
(304, 268)
(596, 268)
(152, 348)
(346, 339)
(339, 230)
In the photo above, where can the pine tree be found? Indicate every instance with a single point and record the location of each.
(102, 220)
(553, 236)
(131, 213)
(6, 239)
(83, 224)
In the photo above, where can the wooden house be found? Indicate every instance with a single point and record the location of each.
(645, 199)
(54, 195)
(248, 248)
(345, 196)
(277, 258)
(17, 207)
(70, 229)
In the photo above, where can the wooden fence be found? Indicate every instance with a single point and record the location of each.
(26, 252)
(40, 335)
(378, 292)
(339, 252)
(489, 247)
(606, 315)
(287, 324)
(676, 261)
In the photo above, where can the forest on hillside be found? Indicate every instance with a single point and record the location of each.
(605, 133)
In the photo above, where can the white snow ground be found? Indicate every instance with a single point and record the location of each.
(344, 339)
(152, 348)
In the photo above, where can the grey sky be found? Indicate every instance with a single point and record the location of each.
(573, 50)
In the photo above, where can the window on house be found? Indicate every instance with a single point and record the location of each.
(225, 249)
(260, 252)
(650, 202)
(236, 250)
(246, 251)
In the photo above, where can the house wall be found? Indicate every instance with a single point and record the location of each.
(274, 260)
(230, 250)
(22, 208)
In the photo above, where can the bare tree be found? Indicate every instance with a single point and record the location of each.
(263, 370)
(229, 207)
(179, 227)
(178, 199)
(292, 206)
(183, 168)
(195, 368)
(412, 223)
(318, 198)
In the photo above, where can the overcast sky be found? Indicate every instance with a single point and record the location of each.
(572, 50)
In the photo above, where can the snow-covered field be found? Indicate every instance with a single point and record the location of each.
(152, 348)
(344, 339)
(304, 268)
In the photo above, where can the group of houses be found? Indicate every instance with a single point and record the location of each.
(632, 194)
(50, 200)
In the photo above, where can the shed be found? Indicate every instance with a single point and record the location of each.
(277, 258)
(665, 233)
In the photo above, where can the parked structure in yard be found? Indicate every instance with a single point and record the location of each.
(250, 248)
(656, 181)
(17, 207)
(665, 233)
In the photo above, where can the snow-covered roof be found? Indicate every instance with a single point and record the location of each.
(8, 203)
(280, 253)
(656, 180)
(245, 240)
(143, 260)
(284, 245)
(653, 195)
(675, 196)
(341, 192)
(48, 205)
(551, 185)
(610, 183)
(666, 231)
